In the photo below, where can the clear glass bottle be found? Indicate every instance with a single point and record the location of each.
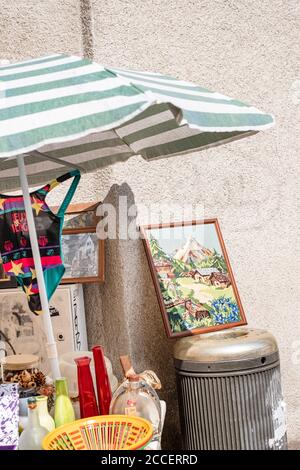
(63, 411)
(136, 398)
(32, 437)
(24, 394)
(46, 420)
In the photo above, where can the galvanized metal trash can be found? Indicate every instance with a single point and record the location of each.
(229, 391)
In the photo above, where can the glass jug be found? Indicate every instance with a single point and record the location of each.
(136, 398)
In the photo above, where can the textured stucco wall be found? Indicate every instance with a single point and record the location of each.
(243, 49)
(32, 28)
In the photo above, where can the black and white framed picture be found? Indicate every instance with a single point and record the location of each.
(83, 255)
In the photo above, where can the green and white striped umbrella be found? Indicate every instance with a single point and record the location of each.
(63, 111)
(60, 110)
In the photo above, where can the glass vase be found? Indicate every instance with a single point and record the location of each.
(102, 380)
(63, 411)
(87, 397)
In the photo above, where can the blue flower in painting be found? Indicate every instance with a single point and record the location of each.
(224, 310)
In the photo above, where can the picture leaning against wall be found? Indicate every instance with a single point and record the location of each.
(192, 276)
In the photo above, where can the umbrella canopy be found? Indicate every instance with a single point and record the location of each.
(60, 110)
(63, 110)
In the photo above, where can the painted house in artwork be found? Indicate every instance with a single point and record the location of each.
(193, 310)
(87, 248)
(164, 269)
(74, 252)
(220, 280)
(187, 274)
(204, 275)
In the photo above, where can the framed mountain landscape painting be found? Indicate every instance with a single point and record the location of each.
(192, 276)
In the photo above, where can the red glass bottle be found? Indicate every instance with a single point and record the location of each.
(103, 384)
(87, 397)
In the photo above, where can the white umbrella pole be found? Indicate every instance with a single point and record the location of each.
(51, 344)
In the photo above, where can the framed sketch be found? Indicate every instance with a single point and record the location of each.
(6, 282)
(83, 255)
(192, 277)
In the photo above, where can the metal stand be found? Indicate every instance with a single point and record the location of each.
(51, 344)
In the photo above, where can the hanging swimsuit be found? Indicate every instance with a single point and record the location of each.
(15, 247)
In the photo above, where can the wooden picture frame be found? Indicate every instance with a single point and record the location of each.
(80, 215)
(83, 259)
(193, 299)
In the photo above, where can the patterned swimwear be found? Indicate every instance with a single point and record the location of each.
(15, 247)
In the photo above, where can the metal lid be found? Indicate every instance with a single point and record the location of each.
(236, 345)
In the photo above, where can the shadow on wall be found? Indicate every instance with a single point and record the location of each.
(123, 315)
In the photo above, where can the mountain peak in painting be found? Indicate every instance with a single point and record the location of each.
(192, 251)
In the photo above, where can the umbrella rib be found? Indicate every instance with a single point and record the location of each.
(58, 160)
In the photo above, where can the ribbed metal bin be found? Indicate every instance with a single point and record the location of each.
(229, 391)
